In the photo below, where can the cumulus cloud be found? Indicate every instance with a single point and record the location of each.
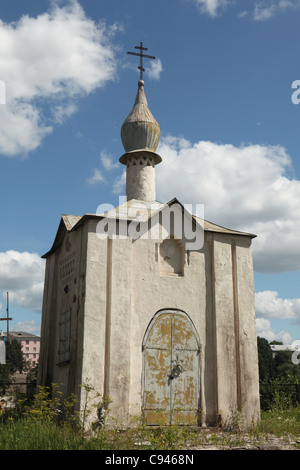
(58, 56)
(268, 304)
(245, 188)
(265, 330)
(248, 188)
(22, 275)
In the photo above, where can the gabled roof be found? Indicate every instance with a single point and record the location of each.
(67, 223)
(132, 210)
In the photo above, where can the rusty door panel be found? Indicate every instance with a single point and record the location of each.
(160, 336)
(183, 335)
(171, 371)
(157, 367)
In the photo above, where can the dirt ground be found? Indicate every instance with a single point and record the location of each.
(227, 441)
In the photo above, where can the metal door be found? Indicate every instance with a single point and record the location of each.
(171, 370)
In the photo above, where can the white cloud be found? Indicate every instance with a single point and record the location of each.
(108, 161)
(108, 164)
(211, 7)
(119, 183)
(56, 57)
(245, 188)
(263, 12)
(22, 275)
(265, 330)
(97, 177)
(266, 9)
(30, 326)
(60, 113)
(242, 14)
(263, 9)
(269, 305)
(154, 69)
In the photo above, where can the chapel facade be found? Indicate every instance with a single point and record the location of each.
(152, 304)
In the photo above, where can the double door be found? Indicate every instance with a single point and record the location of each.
(171, 378)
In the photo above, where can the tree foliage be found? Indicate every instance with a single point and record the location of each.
(14, 356)
(277, 365)
(5, 378)
(265, 360)
(14, 363)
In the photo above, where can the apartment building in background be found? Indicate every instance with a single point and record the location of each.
(30, 344)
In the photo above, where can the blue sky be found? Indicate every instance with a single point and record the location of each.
(221, 90)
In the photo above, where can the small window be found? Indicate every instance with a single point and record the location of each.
(64, 336)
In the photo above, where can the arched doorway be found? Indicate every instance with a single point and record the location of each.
(171, 362)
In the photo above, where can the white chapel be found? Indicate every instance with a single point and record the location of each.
(152, 304)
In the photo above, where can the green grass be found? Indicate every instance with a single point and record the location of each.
(36, 433)
(281, 422)
(40, 427)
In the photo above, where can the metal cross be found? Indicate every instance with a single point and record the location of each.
(141, 56)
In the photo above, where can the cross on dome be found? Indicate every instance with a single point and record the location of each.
(141, 56)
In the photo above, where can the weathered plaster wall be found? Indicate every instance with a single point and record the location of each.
(248, 355)
(225, 327)
(216, 291)
(94, 318)
(115, 289)
(64, 290)
(154, 292)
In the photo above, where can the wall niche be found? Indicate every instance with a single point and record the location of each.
(171, 257)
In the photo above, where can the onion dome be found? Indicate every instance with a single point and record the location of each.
(140, 131)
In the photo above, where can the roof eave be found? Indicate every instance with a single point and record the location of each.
(65, 226)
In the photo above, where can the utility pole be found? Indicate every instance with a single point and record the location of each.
(7, 318)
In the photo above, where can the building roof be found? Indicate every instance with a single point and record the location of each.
(23, 335)
(133, 210)
(285, 347)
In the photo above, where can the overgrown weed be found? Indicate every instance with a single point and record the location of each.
(52, 423)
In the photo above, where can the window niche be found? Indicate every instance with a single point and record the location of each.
(64, 336)
(171, 257)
